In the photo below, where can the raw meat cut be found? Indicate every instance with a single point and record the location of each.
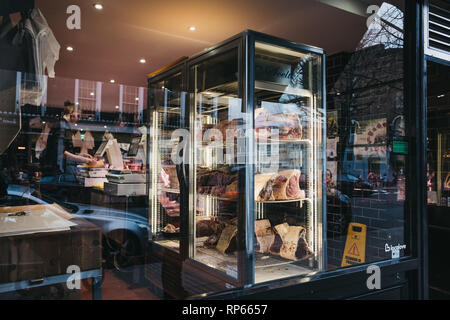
(263, 187)
(226, 238)
(288, 125)
(294, 245)
(264, 236)
(284, 185)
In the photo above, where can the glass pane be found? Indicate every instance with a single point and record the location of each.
(438, 178)
(66, 146)
(167, 103)
(289, 123)
(216, 121)
(367, 146)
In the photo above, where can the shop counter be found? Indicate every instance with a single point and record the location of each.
(37, 259)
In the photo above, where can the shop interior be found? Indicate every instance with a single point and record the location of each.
(89, 141)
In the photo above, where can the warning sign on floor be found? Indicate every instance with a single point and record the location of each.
(355, 246)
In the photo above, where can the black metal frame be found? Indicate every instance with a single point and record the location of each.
(416, 131)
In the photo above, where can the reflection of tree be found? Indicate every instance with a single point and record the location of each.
(371, 84)
(385, 29)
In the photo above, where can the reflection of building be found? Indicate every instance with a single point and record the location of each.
(363, 95)
(366, 100)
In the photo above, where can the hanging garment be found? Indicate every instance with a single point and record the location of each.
(83, 141)
(89, 141)
(47, 47)
(44, 48)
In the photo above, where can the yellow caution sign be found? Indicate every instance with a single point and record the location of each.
(355, 246)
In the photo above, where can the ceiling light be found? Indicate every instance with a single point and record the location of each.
(143, 61)
(92, 94)
(98, 6)
(105, 127)
(69, 48)
(441, 96)
(112, 81)
(137, 99)
(192, 28)
(117, 107)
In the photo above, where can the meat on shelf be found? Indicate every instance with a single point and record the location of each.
(280, 186)
(217, 183)
(289, 125)
(284, 240)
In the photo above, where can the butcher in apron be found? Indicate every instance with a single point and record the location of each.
(66, 148)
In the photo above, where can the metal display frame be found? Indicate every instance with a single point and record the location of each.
(244, 43)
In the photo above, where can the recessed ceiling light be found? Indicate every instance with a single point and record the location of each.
(112, 81)
(92, 94)
(192, 28)
(98, 6)
(137, 99)
(117, 107)
(143, 61)
(69, 48)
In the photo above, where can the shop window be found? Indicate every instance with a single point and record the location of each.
(252, 162)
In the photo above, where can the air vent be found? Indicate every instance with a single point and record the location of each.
(437, 29)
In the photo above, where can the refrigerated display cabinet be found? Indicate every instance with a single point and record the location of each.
(237, 151)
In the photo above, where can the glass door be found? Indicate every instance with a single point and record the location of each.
(438, 179)
(217, 123)
(289, 125)
(167, 107)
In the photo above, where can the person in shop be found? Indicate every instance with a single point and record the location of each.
(64, 149)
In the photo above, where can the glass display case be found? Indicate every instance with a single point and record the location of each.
(247, 153)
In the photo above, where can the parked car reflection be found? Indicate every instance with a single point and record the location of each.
(61, 186)
(354, 186)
